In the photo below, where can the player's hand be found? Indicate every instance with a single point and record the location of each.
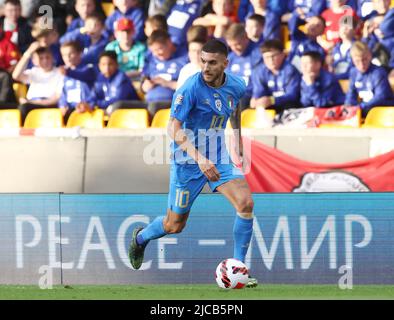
(208, 169)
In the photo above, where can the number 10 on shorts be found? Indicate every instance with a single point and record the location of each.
(182, 198)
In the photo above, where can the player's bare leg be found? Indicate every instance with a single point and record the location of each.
(171, 223)
(238, 193)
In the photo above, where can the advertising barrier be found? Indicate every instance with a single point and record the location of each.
(298, 238)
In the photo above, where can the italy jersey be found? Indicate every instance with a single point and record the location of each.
(203, 111)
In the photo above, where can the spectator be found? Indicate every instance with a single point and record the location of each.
(365, 9)
(276, 83)
(161, 71)
(84, 8)
(196, 38)
(221, 18)
(305, 41)
(387, 25)
(112, 89)
(45, 80)
(130, 54)
(7, 95)
(16, 28)
(156, 22)
(334, 16)
(161, 7)
(91, 38)
(127, 9)
(272, 18)
(74, 91)
(180, 19)
(369, 86)
(254, 26)
(9, 53)
(304, 9)
(338, 60)
(243, 58)
(319, 88)
(48, 38)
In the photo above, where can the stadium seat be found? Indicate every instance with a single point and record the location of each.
(20, 90)
(108, 8)
(10, 118)
(380, 117)
(344, 85)
(161, 118)
(285, 34)
(129, 119)
(44, 118)
(250, 118)
(91, 120)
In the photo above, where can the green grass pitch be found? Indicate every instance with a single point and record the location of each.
(196, 292)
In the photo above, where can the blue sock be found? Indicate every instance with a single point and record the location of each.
(154, 230)
(243, 229)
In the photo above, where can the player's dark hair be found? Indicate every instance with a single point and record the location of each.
(258, 18)
(215, 46)
(160, 36)
(271, 45)
(109, 54)
(314, 55)
(76, 45)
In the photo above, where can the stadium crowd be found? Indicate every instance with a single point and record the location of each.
(291, 54)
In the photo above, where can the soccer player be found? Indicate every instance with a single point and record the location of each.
(204, 102)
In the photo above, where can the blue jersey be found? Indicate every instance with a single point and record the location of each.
(77, 23)
(74, 91)
(324, 92)
(244, 64)
(166, 69)
(342, 61)
(134, 14)
(310, 7)
(365, 9)
(180, 19)
(387, 25)
(284, 87)
(371, 88)
(110, 90)
(204, 112)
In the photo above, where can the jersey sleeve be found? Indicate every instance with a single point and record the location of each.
(183, 100)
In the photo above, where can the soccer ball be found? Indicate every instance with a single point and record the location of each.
(232, 274)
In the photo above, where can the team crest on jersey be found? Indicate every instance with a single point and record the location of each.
(218, 105)
(178, 99)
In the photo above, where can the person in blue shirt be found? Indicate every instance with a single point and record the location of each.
(254, 26)
(319, 88)
(276, 83)
(127, 9)
(387, 25)
(304, 9)
(302, 42)
(369, 86)
(339, 60)
(84, 8)
(74, 91)
(112, 88)
(91, 38)
(244, 57)
(180, 19)
(199, 112)
(161, 71)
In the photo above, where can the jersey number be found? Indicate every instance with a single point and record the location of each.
(217, 122)
(182, 198)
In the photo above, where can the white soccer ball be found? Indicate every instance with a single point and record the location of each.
(232, 274)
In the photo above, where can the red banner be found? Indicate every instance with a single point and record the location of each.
(272, 170)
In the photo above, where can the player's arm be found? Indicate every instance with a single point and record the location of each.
(179, 136)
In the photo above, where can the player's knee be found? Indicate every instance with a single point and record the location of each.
(245, 206)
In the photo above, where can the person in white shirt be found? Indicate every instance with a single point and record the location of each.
(44, 79)
(196, 38)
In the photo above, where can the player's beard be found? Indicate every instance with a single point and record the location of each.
(213, 79)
